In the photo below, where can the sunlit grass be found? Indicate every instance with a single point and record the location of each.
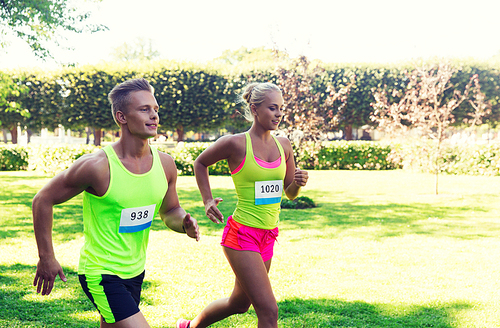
(381, 250)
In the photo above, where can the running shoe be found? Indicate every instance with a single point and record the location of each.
(183, 323)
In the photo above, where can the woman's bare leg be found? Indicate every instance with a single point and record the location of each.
(252, 286)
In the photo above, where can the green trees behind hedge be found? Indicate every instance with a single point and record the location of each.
(204, 97)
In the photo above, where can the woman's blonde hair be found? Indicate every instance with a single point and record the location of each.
(255, 94)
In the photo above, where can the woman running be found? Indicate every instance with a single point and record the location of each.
(262, 167)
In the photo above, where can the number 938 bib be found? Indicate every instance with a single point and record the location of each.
(268, 192)
(136, 218)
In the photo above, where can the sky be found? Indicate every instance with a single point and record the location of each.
(330, 30)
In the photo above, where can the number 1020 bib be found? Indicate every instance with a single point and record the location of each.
(268, 192)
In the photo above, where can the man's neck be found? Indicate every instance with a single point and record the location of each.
(132, 148)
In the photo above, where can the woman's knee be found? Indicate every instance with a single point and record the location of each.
(270, 312)
(240, 308)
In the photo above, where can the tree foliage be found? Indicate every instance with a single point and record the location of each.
(140, 50)
(40, 22)
(244, 56)
(193, 99)
(424, 106)
(308, 114)
(43, 100)
(10, 92)
(203, 97)
(86, 101)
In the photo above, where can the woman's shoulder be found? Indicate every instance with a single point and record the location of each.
(233, 140)
(284, 141)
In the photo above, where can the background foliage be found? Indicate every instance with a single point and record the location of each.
(40, 22)
(343, 155)
(204, 97)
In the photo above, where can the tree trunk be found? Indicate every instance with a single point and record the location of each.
(180, 133)
(4, 132)
(438, 156)
(87, 130)
(97, 137)
(29, 133)
(13, 133)
(348, 132)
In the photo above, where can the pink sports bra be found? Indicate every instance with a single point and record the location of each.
(264, 164)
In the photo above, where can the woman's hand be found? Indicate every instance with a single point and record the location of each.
(300, 177)
(213, 212)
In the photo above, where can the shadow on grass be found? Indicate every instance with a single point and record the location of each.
(334, 313)
(19, 310)
(392, 219)
(299, 313)
(190, 200)
(374, 221)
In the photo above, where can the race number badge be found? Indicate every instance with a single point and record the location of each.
(268, 192)
(136, 218)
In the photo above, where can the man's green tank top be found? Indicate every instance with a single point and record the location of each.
(116, 225)
(259, 190)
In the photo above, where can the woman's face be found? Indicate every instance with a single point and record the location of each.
(270, 112)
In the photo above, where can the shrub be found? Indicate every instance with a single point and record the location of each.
(456, 159)
(345, 155)
(354, 155)
(13, 158)
(186, 153)
(56, 158)
(298, 203)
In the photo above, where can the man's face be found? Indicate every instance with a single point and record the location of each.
(142, 115)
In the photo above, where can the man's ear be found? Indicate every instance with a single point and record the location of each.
(120, 117)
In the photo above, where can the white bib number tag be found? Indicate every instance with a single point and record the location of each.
(136, 218)
(268, 192)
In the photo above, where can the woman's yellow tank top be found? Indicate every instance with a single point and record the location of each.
(259, 190)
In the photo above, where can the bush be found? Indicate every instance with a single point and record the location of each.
(354, 155)
(456, 159)
(56, 158)
(13, 158)
(345, 155)
(186, 153)
(472, 160)
(298, 203)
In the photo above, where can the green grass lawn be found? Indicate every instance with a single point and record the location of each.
(380, 250)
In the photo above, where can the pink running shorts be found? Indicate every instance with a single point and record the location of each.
(243, 238)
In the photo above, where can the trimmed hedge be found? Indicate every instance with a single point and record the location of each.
(344, 155)
(202, 97)
(355, 155)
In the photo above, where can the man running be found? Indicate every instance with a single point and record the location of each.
(124, 186)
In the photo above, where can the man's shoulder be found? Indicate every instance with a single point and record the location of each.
(165, 157)
(92, 162)
(168, 163)
(90, 158)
